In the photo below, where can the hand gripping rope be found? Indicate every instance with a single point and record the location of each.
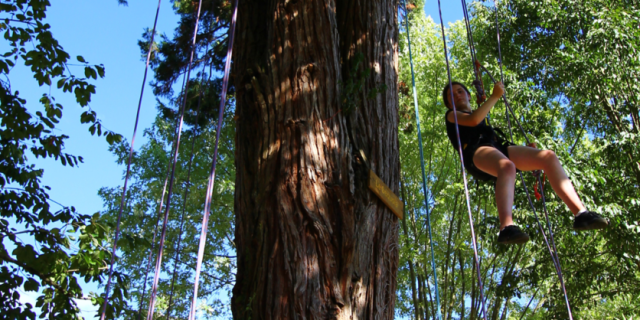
(126, 179)
(464, 174)
(477, 83)
(424, 179)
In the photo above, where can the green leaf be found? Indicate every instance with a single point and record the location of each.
(31, 285)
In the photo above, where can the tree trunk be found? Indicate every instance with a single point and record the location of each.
(313, 242)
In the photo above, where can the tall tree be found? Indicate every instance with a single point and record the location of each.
(317, 106)
(169, 62)
(43, 250)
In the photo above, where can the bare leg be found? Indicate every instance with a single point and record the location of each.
(528, 159)
(493, 162)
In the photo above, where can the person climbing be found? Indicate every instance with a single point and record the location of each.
(488, 158)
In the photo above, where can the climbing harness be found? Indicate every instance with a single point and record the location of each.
(424, 179)
(126, 179)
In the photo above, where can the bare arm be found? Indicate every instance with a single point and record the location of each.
(473, 119)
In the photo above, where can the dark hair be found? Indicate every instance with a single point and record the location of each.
(445, 91)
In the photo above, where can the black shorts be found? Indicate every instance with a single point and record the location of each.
(469, 151)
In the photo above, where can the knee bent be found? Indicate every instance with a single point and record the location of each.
(506, 167)
(549, 156)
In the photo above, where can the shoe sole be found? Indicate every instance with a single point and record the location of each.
(599, 224)
(519, 240)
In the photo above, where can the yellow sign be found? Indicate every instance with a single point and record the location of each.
(385, 194)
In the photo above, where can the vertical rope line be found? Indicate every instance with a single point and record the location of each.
(535, 214)
(153, 242)
(554, 254)
(472, 48)
(212, 175)
(546, 214)
(173, 169)
(160, 208)
(424, 179)
(464, 174)
(553, 258)
(126, 178)
(186, 194)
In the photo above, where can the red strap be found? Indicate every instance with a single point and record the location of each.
(535, 187)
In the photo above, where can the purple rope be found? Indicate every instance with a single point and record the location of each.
(155, 232)
(546, 214)
(173, 169)
(464, 175)
(175, 134)
(467, 24)
(126, 178)
(477, 83)
(554, 254)
(554, 258)
(186, 193)
(153, 242)
(212, 174)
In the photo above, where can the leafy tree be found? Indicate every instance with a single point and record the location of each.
(43, 250)
(141, 220)
(600, 269)
(550, 96)
(583, 54)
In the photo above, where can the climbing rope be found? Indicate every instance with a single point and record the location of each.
(424, 179)
(464, 175)
(477, 83)
(155, 231)
(153, 242)
(554, 253)
(186, 192)
(173, 170)
(126, 179)
(212, 175)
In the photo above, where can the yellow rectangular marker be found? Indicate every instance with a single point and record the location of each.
(385, 194)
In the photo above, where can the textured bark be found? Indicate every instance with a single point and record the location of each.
(313, 242)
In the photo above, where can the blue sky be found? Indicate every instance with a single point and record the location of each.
(102, 32)
(105, 33)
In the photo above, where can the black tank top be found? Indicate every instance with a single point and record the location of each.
(469, 135)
